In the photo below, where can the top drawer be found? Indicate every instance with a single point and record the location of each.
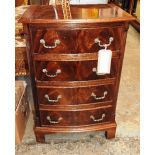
(48, 40)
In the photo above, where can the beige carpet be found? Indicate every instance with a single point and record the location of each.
(94, 143)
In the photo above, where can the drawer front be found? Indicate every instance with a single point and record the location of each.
(86, 70)
(95, 94)
(55, 71)
(75, 96)
(75, 41)
(71, 71)
(76, 118)
(52, 41)
(57, 96)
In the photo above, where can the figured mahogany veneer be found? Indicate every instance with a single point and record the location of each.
(71, 71)
(75, 41)
(75, 96)
(76, 118)
(68, 94)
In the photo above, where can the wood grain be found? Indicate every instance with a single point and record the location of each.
(72, 71)
(76, 56)
(75, 41)
(71, 57)
(75, 96)
(76, 118)
(80, 14)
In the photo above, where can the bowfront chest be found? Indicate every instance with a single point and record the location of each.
(62, 52)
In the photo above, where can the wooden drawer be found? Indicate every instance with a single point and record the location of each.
(75, 96)
(48, 40)
(57, 96)
(71, 71)
(55, 71)
(76, 118)
(95, 94)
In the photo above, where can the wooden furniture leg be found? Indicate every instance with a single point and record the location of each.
(110, 133)
(40, 137)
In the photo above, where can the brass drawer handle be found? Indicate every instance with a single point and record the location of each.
(52, 75)
(54, 122)
(97, 120)
(56, 43)
(99, 98)
(95, 70)
(53, 101)
(98, 41)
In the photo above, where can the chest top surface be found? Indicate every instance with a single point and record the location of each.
(79, 14)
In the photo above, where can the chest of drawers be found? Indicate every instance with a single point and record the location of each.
(68, 94)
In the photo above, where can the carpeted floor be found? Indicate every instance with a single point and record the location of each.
(94, 143)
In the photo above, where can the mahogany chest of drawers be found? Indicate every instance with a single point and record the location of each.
(63, 52)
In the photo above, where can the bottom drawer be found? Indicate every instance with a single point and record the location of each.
(76, 118)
